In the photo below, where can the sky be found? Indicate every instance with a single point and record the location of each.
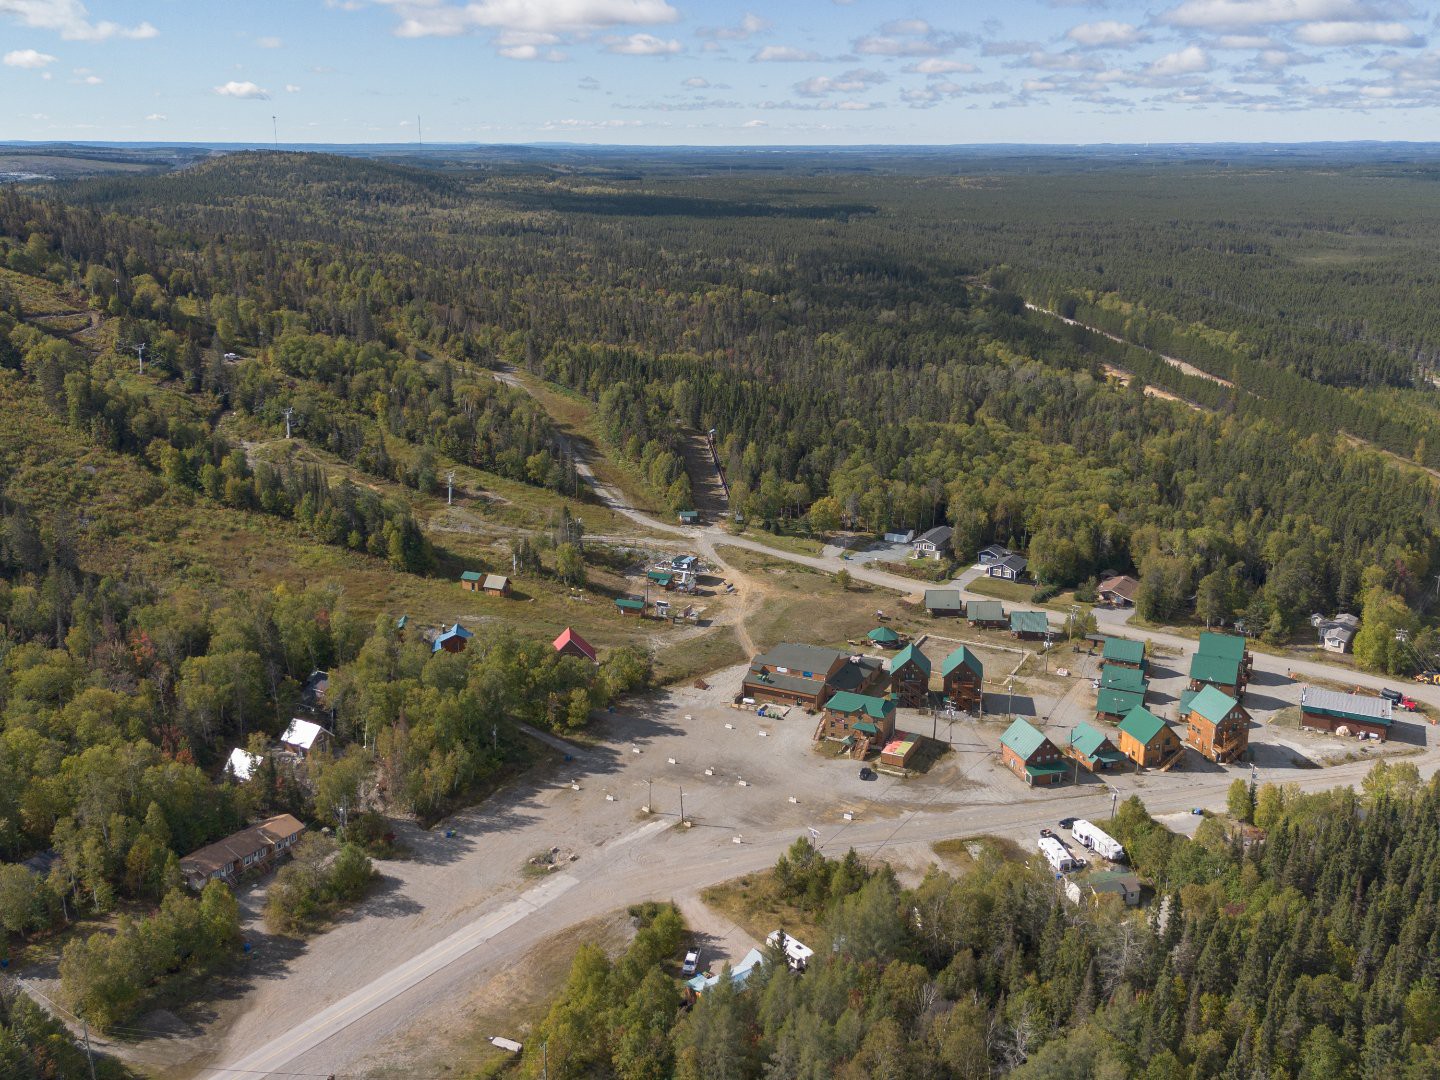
(719, 72)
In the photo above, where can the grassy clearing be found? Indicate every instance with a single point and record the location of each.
(753, 903)
(796, 545)
(695, 656)
(1014, 591)
(965, 852)
(798, 603)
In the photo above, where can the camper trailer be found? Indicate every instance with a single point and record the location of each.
(1058, 856)
(1097, 840)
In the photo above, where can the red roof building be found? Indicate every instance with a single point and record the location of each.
(569, 643)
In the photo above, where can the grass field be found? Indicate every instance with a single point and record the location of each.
(753, 903)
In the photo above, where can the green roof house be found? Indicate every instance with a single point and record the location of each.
(1124, 653)
(868, 718)
(1113, 677)
(910, 677)
(1146, 739)
(1031, 756)
(1093, 749)
(988, 613)
(963, 676)
(1221, 672)
(1029, 624)
(1216, 725)
(1111, 705)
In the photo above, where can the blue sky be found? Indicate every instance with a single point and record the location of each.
(720, 72)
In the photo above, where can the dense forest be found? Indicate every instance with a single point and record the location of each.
(860, 344)
(1300, 946)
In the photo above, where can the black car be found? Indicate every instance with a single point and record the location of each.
(1391, 695)
(1067, 823)
(867, 773)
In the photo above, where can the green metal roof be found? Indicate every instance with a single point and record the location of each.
(985, 611)
(1088, 740)
(867, 727)
(1126, 652)
(906, 655)
(964, 656)
(661, 577)
(943, 600)
(1214, 705)
(1047, 770)
(1029, 622)
(1023, 738)
(1142, 725)
(847, 702)
(1228, 646)
(470, 575)
(1129, 679)
(628, 604)
(883, 635)
(1117, 702)
(1211, 668)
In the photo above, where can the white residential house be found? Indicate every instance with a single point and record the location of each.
(242, 764)
(303, 736)
(1336, 634)
(934, 543)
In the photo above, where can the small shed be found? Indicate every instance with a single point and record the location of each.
(453, 640)
(470, 580)
(496, 585)
(689, 517)
(569, 643)
(944, 602)
(899, 750)
(664, 578)
(630, 605)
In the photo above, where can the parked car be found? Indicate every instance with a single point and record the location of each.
(1392, 695)
(867, 773)
(692, 962)
(1067, 822)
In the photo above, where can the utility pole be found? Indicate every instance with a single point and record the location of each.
(449, 487)
(544, 1061)
(275, 131)
(288, 412)
(139, 351)
(89, 1054)
(495, 736)
(682, 806)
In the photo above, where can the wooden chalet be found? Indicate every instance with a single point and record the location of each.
(1112, 705)
(1032, 757)
(910, 677)
(987, 614)
(943, 602)
(1227, 648)
(1146, 739)
(962, 678)
(860, 721)
(1124, 653)
(1349, 714)
(808, 675)
(1030, 625)
(1093, 749)
(1217, 725)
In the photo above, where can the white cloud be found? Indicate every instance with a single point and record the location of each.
(1188, 61)
(643, 45)
(154, 116)
(92, 80)
(784, 54)
(852, 82)
(935, 66)
(246, 90)
(433, 18)
(71, 20)
(1243, 41)
(30, 59)
(695, 82)
(269, 42)
(909, 37)
(1229, 14)
(291, 88)
(755, 124)
(1105, 32)
(532, 52)
(1358, 33)
(748, 26)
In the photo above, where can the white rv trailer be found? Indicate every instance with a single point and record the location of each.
(1058, 856)
(1097, 840)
